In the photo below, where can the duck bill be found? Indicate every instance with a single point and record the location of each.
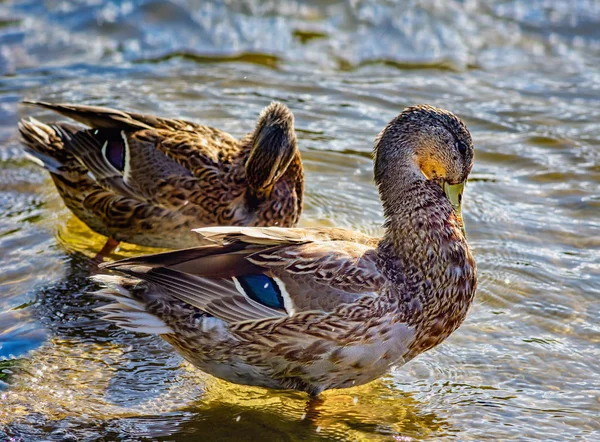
(454, 194)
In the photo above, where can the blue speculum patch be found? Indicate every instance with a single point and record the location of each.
(263, 289)
(115, 154)
(114, 151)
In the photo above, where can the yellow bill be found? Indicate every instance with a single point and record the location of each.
(454, 193)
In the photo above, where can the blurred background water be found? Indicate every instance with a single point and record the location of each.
(525, 77)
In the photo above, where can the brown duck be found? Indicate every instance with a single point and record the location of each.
(149, 180)
(315, 309)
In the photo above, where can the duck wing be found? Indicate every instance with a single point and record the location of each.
(107, 118)
(263, 274)
(281, 235)
(180, 140)
(141, 156)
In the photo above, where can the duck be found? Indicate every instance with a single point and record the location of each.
(149, 180)
(313, 309)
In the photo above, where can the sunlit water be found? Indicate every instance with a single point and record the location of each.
(525, 77)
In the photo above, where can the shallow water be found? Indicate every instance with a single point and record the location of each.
(524, 76)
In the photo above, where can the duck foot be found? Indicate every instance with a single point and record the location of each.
(110, 245)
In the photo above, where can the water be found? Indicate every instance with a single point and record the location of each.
(523, 75)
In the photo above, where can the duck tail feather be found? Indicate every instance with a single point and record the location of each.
(129, 311)
(44, 145)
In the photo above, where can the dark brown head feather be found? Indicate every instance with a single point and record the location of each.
(433, 139)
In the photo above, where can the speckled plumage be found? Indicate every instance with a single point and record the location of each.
(351, 306)
(149, 180)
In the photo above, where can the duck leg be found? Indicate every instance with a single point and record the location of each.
(311, 411)
(110, 245)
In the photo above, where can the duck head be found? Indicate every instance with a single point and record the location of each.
(424, 143)
(273, 148)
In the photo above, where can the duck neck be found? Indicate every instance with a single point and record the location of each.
(431, 261)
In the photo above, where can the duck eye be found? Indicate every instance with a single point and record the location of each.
(462, 147)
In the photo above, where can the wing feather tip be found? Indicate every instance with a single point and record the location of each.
(123, 267)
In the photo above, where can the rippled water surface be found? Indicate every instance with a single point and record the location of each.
(525, 77)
